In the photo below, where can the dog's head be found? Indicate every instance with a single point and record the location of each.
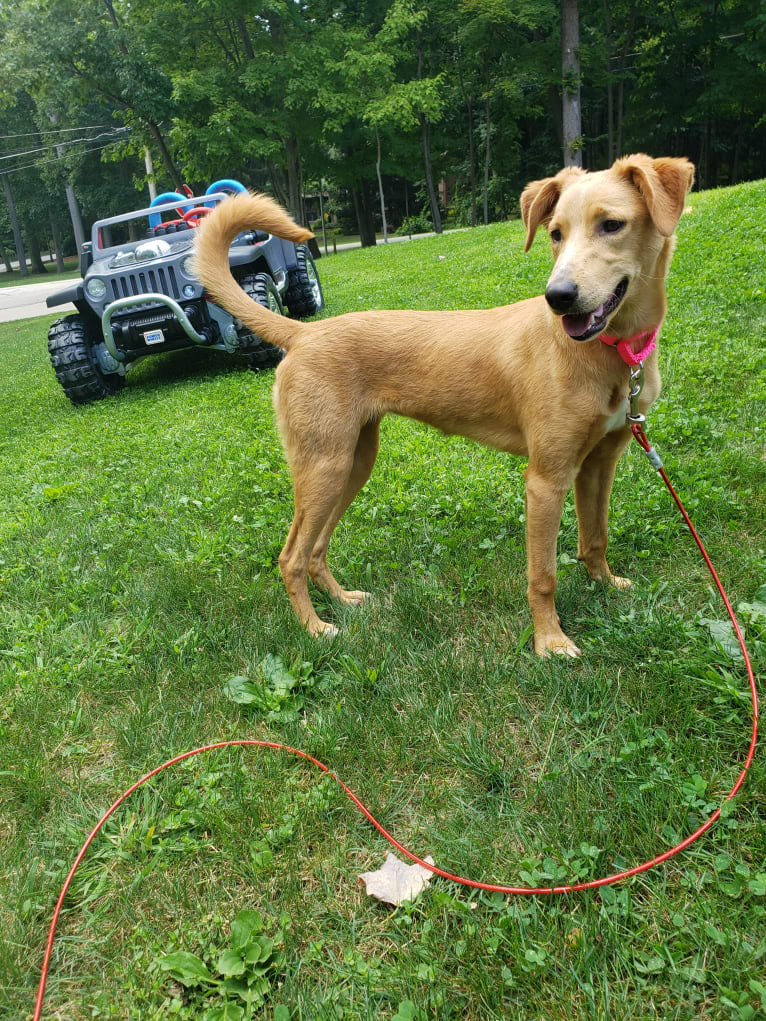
(607, 230)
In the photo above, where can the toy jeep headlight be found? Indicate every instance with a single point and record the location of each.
(95, 288)
(187, 267)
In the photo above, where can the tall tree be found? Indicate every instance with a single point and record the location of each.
(570, 81)
(416, 100)
(66, 53)
(467, 100)
(14, 219)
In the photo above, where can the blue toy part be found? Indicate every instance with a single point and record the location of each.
(155, 219)
(225, 184)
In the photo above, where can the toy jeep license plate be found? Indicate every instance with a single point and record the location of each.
(154, 337)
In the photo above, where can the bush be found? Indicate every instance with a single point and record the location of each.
(420, 224)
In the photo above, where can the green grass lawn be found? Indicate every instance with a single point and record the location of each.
(71, 271)
(138, 546)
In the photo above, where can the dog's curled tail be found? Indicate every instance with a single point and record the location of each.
(215, 234)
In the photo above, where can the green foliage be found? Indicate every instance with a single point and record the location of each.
(293, 94)
(228, 985)
(415, 225)
(274, 690)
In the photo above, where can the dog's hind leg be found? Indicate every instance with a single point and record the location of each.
(364, 460)
(593, 487)
(319, 482)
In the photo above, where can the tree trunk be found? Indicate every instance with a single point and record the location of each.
(6, 260)
(611, 155)
(570, 94)
(302, 193)
(472, 162)
(620, 116)
(55, 231)
(113, 18)
(74, 212)
(321, 213)
(170, 166)
(35, 255)
(293, 179)
(432, 197)
(621, 86)
(556, 114)
(74, 208)
(710, 169)
(468, 100)
(277, 183)
(734, 171)
(20, 253)
(380, 189)
(364, 216)
(150, 182)
(611, 151)
(244, 35)
(425, 133)
(487, 152)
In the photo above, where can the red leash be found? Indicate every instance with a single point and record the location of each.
(641, 438)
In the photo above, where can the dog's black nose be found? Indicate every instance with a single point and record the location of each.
(561, 296)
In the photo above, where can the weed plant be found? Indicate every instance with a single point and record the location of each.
(142, 615)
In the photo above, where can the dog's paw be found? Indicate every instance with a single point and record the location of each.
(623, 584)
(354, 598)
(322, 630)
(600, 572)
(556, 645)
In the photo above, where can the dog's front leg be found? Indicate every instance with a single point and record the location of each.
(545, 502)
(593, 487)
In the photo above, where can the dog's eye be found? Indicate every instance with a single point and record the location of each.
(612, 226)
(556, 235)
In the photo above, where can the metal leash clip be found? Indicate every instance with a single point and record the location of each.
(636, 386)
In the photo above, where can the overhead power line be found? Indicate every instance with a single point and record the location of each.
(55, 131)
(55, 159)
(61, 142)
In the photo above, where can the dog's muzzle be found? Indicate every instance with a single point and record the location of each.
(584, 325)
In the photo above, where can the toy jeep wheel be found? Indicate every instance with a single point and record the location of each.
(71, 349)
(257, 354)
(304, 291)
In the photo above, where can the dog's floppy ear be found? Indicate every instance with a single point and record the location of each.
(539, 198)
(662, 183)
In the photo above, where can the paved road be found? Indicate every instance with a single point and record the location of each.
(27, 300)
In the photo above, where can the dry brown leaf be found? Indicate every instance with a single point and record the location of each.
(395, 881)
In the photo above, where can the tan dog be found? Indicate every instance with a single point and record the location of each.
(519, 378)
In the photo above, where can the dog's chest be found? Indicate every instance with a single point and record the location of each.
(617, 413)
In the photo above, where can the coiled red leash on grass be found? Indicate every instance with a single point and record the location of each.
(641, 438)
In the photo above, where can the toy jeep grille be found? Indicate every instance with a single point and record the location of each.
(161, 280)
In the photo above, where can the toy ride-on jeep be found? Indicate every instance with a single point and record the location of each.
(139, 296)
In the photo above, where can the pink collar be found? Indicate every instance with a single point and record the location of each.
(624, 346)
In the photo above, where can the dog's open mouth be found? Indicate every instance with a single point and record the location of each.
(588, 324)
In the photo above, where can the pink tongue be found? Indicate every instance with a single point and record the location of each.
(575, 326)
